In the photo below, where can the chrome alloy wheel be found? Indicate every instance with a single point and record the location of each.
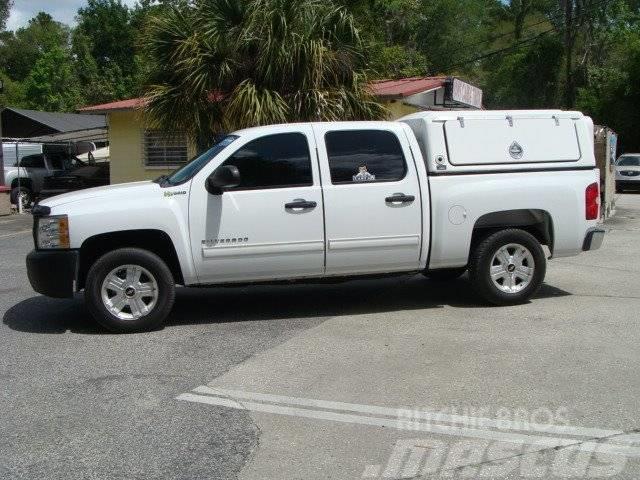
(24, 198)
(512, 268)
(129, 292)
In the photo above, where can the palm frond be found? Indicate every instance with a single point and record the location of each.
(237, 63)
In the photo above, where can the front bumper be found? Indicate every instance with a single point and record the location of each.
(53, 272)
(593, 239)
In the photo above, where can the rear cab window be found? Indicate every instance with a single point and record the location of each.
(364, 156)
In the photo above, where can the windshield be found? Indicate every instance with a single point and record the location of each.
(629, 161)
(188, 170)
(65, 163)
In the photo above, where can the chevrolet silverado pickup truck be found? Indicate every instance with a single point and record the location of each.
(436, 192)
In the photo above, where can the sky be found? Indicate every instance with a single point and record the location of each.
(61, 10)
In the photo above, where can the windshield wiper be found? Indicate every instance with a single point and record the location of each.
(162, 180)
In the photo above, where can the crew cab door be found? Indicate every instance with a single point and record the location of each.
(373, 211)
(271, 225)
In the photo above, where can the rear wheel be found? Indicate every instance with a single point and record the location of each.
(129, 290)
(507, 267)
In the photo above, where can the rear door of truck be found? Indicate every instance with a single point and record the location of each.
(372, 200)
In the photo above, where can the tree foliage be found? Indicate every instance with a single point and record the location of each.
(611, 91)
(226, 64)
(5, 7)
(282, 60)
(510, 84)
(52, 85)
(20, 50)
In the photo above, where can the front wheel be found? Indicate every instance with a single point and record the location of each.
(129, 290)
(507, 267)
(23, 194)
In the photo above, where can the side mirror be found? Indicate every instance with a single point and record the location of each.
(226, 176)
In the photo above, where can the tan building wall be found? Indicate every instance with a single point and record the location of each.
(126, 134)
(398, 109)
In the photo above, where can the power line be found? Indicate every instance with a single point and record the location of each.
(550, 19)
(506, 34)
(499, 51)
(521, 42)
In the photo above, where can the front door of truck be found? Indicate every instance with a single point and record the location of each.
(36, 170)
(271, 225)
(372, 198)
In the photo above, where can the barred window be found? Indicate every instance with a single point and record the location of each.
(162, 149)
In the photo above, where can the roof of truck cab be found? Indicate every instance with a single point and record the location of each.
(292, 126)
(490, 114)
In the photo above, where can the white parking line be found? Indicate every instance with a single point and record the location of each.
(418, 415)
(235, 399)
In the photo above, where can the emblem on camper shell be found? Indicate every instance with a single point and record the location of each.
(516, 151)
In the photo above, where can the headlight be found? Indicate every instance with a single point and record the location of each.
(52, 232)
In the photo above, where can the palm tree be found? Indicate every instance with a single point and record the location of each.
(225, 64)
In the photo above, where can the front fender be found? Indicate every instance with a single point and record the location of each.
(145, 207)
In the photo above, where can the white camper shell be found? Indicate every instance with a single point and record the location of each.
(484, 141)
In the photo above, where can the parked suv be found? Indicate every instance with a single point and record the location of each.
(628, 172)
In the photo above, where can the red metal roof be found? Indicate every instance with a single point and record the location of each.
(129, 104)
(405, 87)
(133, 103)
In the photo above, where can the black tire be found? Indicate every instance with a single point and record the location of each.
(27, 196)
(130, 256)
(445, 274)
(481, 261)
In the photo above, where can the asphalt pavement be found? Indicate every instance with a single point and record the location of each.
(390, 378)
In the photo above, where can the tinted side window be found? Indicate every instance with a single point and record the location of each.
(60, 163)
(274, 161)
(65, 163)
(357, 156)
(55, 162)
(32, 161)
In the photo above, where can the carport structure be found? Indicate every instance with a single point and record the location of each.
(19, 125)
(30, 130)
(22, 123)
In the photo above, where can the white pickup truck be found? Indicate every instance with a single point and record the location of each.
(435, 192)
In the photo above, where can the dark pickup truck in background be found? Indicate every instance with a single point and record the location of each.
(85, 176)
